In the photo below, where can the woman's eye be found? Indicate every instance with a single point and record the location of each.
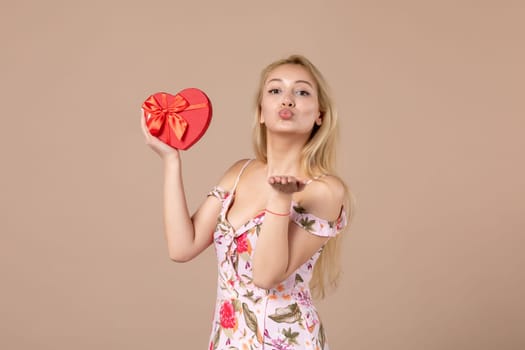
(273, 91)
(303, 93)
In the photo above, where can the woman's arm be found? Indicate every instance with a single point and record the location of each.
(283, 246)
(186, 236)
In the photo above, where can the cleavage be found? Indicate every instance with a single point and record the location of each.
(246, 215)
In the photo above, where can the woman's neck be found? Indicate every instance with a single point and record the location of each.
(283, 156)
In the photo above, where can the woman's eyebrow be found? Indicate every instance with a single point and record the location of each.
(297, 81)
(306, 82)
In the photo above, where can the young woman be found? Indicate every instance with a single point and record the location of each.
(274, 218)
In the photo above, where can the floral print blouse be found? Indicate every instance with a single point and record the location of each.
(247, 317)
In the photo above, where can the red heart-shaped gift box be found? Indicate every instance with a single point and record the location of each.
(178, 120)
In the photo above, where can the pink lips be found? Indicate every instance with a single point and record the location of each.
(285, 113)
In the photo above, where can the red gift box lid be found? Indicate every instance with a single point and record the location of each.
(178, 120)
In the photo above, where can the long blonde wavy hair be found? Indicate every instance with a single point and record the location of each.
(317, 158)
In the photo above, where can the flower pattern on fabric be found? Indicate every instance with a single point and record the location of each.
(227, 315)
(250, 318)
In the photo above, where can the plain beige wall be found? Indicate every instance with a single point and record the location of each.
(431, 99)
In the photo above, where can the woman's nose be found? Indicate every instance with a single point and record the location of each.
(287, 102)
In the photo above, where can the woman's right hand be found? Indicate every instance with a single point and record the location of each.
(163, 150)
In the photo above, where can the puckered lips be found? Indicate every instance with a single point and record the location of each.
(285, 113)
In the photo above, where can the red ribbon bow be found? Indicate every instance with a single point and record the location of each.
(160, 109)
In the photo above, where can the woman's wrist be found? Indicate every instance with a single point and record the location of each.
(171, 159)
(279, 203)
(172, 165)
(279, 197)
(277, 213)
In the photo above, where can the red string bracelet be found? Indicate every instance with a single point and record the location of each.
(278, 214)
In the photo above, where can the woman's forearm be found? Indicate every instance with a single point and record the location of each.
(178, 226)
(271, 256)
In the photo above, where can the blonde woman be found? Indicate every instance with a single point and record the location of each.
(276, 219)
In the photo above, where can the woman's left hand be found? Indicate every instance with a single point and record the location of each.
(287, 184)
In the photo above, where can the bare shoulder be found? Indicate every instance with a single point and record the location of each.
(228, 179)
(324, 197)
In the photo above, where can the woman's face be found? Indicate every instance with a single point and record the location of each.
(289, 100)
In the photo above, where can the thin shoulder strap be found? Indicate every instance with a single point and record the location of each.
(315, 178)
(240, 173)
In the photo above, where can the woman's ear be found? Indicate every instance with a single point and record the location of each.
(261, 119)
(319, 119)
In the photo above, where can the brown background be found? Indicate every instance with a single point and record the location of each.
(431, 99)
